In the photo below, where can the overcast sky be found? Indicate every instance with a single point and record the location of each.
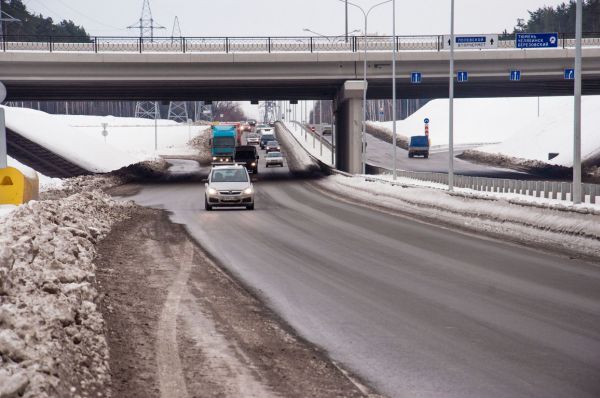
(289, 17)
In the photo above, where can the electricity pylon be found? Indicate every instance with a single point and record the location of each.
(146, 25)
(177, 109)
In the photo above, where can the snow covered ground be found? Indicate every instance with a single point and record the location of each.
(577, 230)
(80, 140)
(321, 152)
(510, 125)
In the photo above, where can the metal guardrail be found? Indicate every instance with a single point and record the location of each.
(108, 44)
(541, 189)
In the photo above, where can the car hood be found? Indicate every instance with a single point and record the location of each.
(229, 186)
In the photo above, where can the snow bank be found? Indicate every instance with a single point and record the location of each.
(302, 145)
(51, 332)
(56, 135)
(552, 227)
(510, 126)
(135, 136)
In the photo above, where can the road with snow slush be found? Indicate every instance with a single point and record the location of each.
(415, 309)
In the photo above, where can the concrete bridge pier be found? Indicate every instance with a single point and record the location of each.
(348, 121)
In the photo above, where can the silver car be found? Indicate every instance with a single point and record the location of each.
(229, 186)
(253, 139)
(274, 159)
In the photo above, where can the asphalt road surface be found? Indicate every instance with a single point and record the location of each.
(415, 309)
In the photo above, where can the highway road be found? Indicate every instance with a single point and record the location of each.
(415, 309)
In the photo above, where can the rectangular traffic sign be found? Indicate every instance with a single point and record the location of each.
(462, 76)
(472, 41)
(515, 75)
(536, 40)
(569, 74)
(415, 77)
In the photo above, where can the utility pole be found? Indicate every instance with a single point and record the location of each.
(451, 104)
(577, 111)
(346, 21)
(394, 172)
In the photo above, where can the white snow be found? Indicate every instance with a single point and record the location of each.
(79, 138)
(312, 146)
(46, 183)
(510, 125)
(577, 230)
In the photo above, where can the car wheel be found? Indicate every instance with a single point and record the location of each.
(250, 207)
(207, 207)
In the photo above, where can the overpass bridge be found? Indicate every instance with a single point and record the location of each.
(283, 69)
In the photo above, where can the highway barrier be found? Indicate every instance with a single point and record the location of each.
(17, 188)
(541, 189)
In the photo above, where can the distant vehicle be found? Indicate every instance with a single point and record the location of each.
(238, 128)
(246, 127)
(264, 130)
(253, 139)
(261, 126)
(327, 130)
(271, 124)
(229, 186)
(312, 128)
(273, 159)
(246, 155)
(222, 143)
(266, 138)
(419, 146)
(272, 146)
(252, 122)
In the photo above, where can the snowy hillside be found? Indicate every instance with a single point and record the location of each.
(512, 122)
(80, 140)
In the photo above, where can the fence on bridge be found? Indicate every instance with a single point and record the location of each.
(101, 44)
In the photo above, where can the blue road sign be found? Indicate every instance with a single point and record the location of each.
(515, 75)
(426, 120)
(536, 40)
(462, 76)
(415, 77)
(569, 74)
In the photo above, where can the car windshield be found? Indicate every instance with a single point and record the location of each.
(268, 137)
(274, 155)
(245, 154)
(272, 143)
(252, 135)
(224, 141)
(229, 175)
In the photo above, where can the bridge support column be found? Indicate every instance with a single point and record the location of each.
(348, 120)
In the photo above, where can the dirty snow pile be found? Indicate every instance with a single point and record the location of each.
(575, 230)
(51, 332)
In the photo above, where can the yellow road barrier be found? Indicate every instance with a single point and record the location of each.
(16, 188)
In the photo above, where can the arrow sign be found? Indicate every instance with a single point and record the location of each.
(536, 40)
(473, 41)
(462, 76)
(415, 77)
(569, 74)
(515, 75)
(426, 121)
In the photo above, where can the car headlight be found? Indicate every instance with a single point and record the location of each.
(248, 191)
(212, 191)
(214, 158)
(253, 164)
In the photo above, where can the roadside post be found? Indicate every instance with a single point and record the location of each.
(189, 123)
(451, 104)
(104, 131)
(426, 121)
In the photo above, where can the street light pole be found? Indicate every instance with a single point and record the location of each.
(577, 116)
(394, 173)
(451, 104)
(364, 122)
(346, 21)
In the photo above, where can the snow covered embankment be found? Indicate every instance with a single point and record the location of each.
(572, 231)
(51, 333)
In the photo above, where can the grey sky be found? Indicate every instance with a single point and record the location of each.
(289, 17)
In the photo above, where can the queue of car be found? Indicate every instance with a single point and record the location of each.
(229, 184)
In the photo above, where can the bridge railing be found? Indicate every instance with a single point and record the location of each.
(102, 44)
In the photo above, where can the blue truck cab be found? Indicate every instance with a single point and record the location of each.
(222, 143)
(418, 146)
